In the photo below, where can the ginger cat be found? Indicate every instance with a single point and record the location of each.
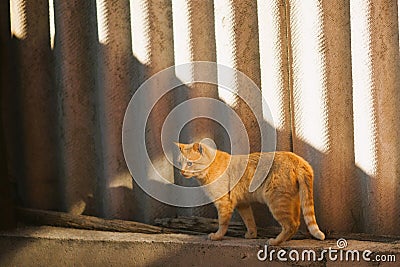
(287, 187)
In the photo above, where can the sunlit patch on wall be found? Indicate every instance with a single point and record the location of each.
(52, 23)
(18, 19)
(309, 80)
(271, 61)
(102, 23)
(140, 27)
(121, 180)
(225, 46)
(363, 89)
(182, 38)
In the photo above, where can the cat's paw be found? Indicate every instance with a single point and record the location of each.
(250, 235)
(214, 237)
(272, 242)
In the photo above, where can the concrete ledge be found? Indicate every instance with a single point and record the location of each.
(52, 246)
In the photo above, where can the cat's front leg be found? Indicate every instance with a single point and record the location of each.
(246, 213)
(225, 210)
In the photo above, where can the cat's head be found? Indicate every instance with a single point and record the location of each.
(194, 159)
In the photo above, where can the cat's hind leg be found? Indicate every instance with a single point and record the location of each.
(246, 213)
(296, 215)
(286, 213)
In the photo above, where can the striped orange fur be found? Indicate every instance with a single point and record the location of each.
(286, 189)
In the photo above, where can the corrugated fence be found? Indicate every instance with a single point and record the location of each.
(329, 71)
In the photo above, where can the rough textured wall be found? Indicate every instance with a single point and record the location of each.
(329, 73)
(322, 107)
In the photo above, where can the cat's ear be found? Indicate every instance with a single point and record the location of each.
(179, 145)
(198, 147)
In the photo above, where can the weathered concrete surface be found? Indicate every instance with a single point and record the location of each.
(383, 186)
(50, 246)
(152, 39)
(323, 119)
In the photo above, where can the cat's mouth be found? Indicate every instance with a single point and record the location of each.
(186, 174)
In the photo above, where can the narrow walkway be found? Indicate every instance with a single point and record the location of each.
(54, 246)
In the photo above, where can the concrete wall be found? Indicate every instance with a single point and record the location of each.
(322, 104)
(329, 73)
(31, 246)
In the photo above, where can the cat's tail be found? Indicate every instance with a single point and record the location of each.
(307, 202)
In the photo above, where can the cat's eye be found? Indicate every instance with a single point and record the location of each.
(189, 163)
